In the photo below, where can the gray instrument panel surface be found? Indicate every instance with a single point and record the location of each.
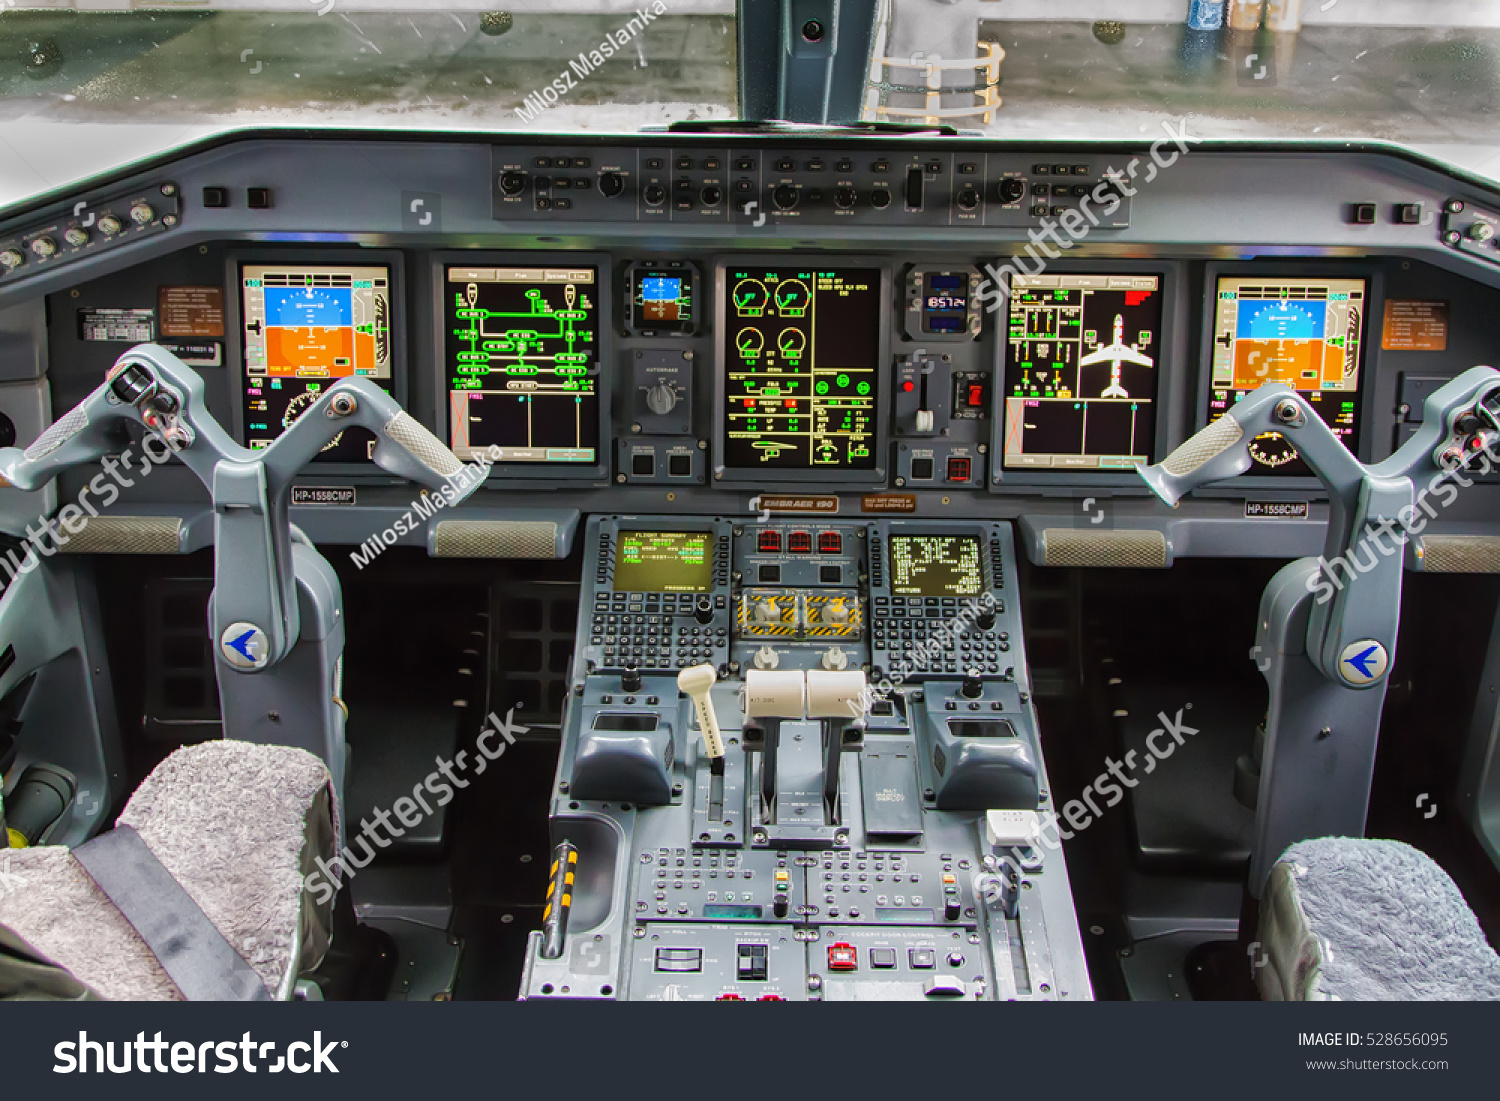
(1270, 206)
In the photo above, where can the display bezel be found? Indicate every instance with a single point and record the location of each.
(235, 261)
(873, 478)
(602, 263)
(1172, 392)
(633, 271)
(1369, 365)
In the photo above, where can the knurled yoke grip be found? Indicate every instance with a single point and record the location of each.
(1368, 504)
(254, 578)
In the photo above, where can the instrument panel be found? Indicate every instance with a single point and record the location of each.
(850, 325)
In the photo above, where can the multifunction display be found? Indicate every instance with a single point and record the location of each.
(663, 562)
(1307, 333)
(1082, 364)
(304, 327)
(523, 363)
(801, 356)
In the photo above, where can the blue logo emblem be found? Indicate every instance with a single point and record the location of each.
(1363, 662)
(245, 646)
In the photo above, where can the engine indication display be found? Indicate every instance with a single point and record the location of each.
(523, 363)
(304, 327)
(1307, 333)
(663, 562)
(801, 355)
(1081, 371)
(936, 565)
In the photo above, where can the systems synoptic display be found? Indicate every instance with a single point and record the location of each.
(523, 363)
(1082, 365)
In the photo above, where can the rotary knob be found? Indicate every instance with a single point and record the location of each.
(1010, 190)
(838, 613)
(973, 687)
(109, 225)
(661, 399)
(630, 679)
(142, 214)
(611, 184)
(766, 658)
(766, 612)
(11, 259)
(703, 610)
(44, 247)
(784, 196)
(845, 197)
(512, 183)
(76, 236)
(835, 659)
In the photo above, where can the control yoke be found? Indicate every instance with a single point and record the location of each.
(1367, 503)
(255, 615)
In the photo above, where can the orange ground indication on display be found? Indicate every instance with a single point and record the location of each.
(293, 350)
(1301, 364)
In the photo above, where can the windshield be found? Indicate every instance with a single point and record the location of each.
(85, 91)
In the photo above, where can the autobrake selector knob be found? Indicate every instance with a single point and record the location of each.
(973, 687)
(661, 399)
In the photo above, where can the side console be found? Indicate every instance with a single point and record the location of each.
(862, 818)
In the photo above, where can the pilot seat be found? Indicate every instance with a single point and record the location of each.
(207, 889)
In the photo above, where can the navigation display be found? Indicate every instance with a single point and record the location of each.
(663, 562)
(1082, 364)
(522, 369)
(1307, 333)
(801, 352)
(935, 565)
(305, 326)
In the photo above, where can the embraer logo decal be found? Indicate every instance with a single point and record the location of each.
(244, 645)
(1363, 662)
